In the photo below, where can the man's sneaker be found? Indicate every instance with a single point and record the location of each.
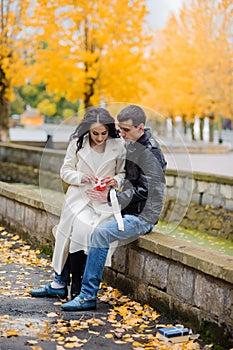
(50, 292)
(79, 304)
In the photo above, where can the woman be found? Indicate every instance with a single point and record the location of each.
(96, 152)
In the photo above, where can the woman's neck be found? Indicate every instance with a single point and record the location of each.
(98, 148)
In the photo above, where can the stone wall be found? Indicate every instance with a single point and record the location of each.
(200, 201)
(192, 284)
(193, 200)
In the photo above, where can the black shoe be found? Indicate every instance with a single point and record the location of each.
(50, 292)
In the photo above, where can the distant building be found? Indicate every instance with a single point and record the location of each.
(31, 117)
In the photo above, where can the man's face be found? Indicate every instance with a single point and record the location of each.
(129, 132)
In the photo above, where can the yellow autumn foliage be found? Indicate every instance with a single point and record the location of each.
(93, 51)
(193, 62)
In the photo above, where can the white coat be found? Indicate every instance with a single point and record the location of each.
(79, 214)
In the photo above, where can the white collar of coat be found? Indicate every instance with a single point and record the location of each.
(86, 155)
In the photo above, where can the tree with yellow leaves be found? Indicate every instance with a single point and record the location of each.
(12, 16)
(90, 50)
(194, 64)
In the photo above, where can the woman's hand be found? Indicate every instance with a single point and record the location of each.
(109, 181)
(88, 178)
(98, 196)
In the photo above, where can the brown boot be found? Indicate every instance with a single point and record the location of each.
(77, 264)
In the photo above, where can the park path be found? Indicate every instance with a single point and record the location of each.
(40, 324)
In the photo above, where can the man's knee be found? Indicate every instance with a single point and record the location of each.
(99, 237)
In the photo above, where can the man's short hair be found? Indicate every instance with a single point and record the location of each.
(133, 112)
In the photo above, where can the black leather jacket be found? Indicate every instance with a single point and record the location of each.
(143, 190)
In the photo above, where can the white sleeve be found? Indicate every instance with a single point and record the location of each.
(68, 171)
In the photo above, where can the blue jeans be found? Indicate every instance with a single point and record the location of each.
(101, 238)
(64, 277)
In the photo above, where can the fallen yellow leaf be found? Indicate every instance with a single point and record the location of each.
(52, 314)
(31, 342)
(108, 335)
(12, 333)
(15, 238)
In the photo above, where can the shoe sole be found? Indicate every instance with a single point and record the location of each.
(79, 309)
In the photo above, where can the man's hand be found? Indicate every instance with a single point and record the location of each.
(98, 196)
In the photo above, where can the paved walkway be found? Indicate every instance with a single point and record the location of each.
(40, 324)
(219, 164)
(211, 163)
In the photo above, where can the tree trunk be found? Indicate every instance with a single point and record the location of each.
(211, 127)
(192, 131)
(4, 111)
(89, 92)
(173, 126)
(201, 128)
(220, 140)
(184, 123)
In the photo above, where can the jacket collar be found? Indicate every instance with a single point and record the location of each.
(143, 140)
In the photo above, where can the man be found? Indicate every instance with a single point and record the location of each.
(141, 201)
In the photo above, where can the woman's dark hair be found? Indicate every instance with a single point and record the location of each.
(94, 115)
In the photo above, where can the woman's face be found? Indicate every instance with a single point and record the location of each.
(98, 133)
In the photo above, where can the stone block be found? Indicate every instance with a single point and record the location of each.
(202, 186)
(125, 284)
(181, 283)
(156, 271)
(19, 213)
(226, 191)
(10, 209)
(119, 259)
(142, 293)
(52, 221)
(214, 188)
(207, 199)
(3, 206)
(229, 204)
(218, 202)
(170, 180)
(109, 276)
(30, 218)
(229, 308)
(136, 263)
(179, 182)
(186, 314)
(189, 184)
(41, 222)
(172, 192)
(159, 300)
(210, 296)
(184, 195)
(195, 197)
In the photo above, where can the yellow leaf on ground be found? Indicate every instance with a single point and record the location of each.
(69, 345)
(15, 238)
(137, 344)
(95, 333)
(31, 342)
(52, 314)
(108, 335)
(12, 333)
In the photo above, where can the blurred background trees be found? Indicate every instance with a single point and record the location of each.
(62, 55)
